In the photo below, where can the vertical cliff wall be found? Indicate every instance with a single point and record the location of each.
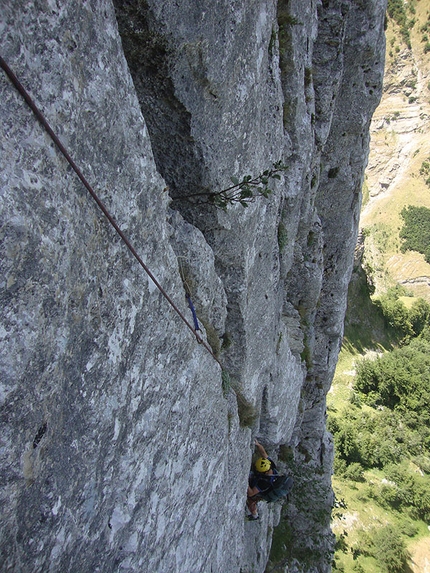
(124, 448)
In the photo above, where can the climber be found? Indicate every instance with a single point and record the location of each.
(265, 483)
(259, 480)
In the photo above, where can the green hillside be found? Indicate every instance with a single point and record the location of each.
(379, 415)
(379, 405)
(398, 173)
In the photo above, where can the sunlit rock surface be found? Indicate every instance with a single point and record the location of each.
(123, 447)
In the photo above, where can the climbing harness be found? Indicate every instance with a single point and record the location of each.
(21, 90)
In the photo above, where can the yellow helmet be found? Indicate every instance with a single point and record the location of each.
(263, 465)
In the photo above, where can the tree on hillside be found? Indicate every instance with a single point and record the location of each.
(390, 550)
(399, 379)
(397, 11)
(416, 230)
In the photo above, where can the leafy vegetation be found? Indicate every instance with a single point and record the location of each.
(395, 387)
(416, 230)
(244, 191)
(396, 10)
(404, 322)
(385, 544)
(425, 39)
(390, 550)
(425, 169)
(382, 440)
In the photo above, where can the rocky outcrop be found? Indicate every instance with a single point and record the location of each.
(125, 447)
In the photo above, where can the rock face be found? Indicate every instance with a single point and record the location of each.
(124, 448)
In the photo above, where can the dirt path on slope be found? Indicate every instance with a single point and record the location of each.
(420, 553)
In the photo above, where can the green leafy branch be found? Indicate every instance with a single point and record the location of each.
(246, 190)
(425, 171)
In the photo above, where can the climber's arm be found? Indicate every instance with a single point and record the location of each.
(261, 449)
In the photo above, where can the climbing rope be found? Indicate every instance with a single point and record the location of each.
(19, 87)
(196, 322)
(190, 302)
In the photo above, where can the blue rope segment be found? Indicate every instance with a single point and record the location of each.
(193, 310)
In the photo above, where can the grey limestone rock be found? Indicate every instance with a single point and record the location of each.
(124, 448)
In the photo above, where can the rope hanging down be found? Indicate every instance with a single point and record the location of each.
(93, 194)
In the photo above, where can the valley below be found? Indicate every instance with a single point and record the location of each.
(396, 177)
(400, 144)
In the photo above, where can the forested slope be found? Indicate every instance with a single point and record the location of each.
(379, 404)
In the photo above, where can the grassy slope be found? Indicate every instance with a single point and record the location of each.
(400, 143)
(360, 514)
